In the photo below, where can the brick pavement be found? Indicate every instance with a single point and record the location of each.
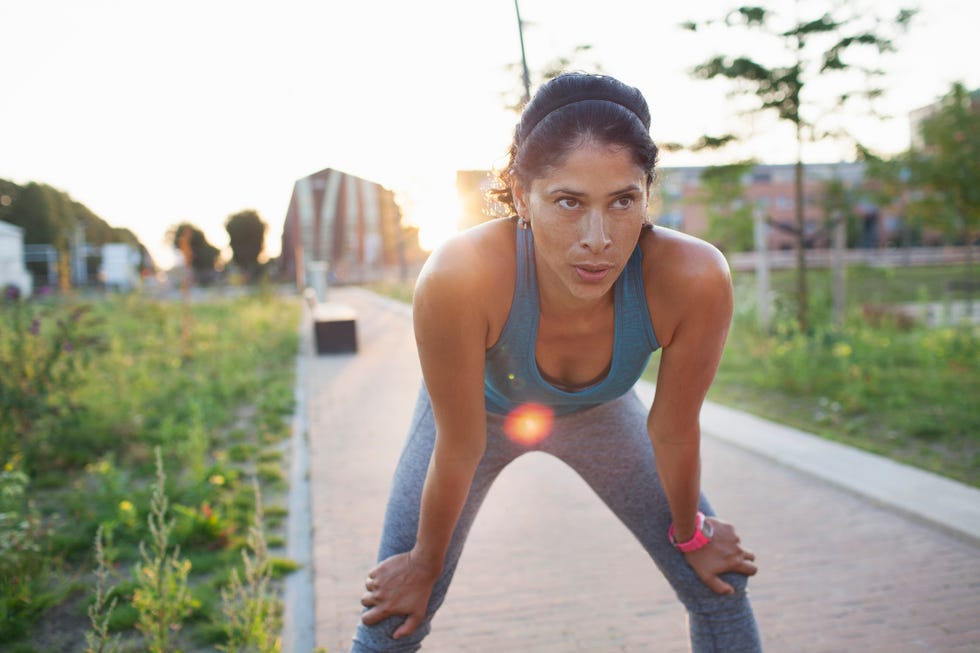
(548, 569)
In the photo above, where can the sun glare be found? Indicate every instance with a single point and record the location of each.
(436, 210)
(529, 423)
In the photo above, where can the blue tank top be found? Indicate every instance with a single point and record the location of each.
(512, 376)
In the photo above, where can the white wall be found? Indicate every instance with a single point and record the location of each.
(120, 266)
(12, 269)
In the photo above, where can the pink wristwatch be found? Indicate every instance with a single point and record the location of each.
(702, 535)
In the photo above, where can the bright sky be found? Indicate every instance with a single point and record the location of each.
(153, 113)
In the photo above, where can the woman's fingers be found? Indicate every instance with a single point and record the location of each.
(397, 587)
(747, 567)
(408, 626)
(373, 616)
(718, 586)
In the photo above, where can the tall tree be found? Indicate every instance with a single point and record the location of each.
(839, 202)
(45, 214)
(246, 233)
(843, 40)
(47, 217)
(202, 255)
(729, 214)
(945, 171)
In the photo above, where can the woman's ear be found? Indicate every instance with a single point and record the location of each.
(520, 200)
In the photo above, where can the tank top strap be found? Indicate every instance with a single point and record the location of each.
(526, 287)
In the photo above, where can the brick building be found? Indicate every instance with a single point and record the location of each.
(352, 224)
(770, 188)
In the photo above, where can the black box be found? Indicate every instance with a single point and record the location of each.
(334, 328)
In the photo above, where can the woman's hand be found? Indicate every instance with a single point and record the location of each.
(400, 585)
(722, 554)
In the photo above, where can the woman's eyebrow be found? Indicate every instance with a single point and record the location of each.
(566, 191)
(632, 188)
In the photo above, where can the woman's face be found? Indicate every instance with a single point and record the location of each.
(586, 215)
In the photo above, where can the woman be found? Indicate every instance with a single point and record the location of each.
(560, 307)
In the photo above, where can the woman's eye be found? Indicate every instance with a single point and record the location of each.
(568, 203)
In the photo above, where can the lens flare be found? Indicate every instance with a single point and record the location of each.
(529, 423)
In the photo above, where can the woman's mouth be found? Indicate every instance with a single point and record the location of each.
(592, 273)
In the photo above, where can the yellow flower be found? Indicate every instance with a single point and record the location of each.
(842, 350)
(217, 479)
(125, 506)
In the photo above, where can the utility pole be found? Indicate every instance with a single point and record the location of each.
(527, 76)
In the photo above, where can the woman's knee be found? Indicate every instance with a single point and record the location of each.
(699, 598)
(379, 637)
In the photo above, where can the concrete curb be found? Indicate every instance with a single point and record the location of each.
(299, 599)
(949, 505)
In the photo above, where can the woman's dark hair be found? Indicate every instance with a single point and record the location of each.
(564, 111)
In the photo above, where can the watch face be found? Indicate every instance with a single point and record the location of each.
(707, 529)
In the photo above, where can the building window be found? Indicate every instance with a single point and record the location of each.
(783, 176)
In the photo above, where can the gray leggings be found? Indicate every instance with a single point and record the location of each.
(609, 448)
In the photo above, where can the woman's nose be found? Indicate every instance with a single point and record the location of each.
(595, 237)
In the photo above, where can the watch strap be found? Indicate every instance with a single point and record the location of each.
(696, 542)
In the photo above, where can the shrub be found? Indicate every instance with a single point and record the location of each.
(21, 558)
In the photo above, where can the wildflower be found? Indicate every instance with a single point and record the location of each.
(102, 466)
(125, 506)
(35, 327)
(842, 350)
(216, 479)
(68, 348)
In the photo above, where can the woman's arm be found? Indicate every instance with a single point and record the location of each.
(450, 330)
(700, 296)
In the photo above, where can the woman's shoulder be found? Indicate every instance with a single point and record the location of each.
(473, 268)
(686, 280)
(674, 259)
(470, 255)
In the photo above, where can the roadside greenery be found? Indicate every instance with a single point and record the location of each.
(116, 432)
(884, 381)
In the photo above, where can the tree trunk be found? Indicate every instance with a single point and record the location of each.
(760, 232)
(802, 298)
(970, 275)
(840, 294)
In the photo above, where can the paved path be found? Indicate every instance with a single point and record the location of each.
(548, 569)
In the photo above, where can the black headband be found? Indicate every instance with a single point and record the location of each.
(593, 92)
